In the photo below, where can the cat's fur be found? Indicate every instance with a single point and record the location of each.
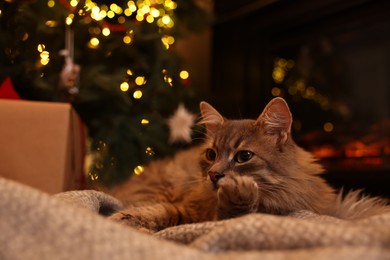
(244, 166)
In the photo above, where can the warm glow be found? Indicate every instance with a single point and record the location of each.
(51, 23)
(184, 74)
(41, 47)
(150, 19)
(128, 12)
(51, 3)
(127, 39)
(110, 14)
(149, 151)
(328, 127)
(144, 121)
(140, 80)
(124, 86)
(121, 19)
(93, 43)
(155, 13)
(138, 170)
(44, 55)
(137, 94)
(139, 17)
(68, 20)
(74, 3)
(44, 62)
(166, 19)
(106, 31)
(276, 91)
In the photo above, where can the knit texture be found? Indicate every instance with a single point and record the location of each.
(35, 225)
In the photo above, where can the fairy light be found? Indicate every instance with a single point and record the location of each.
(328, 127)
(25, 37)
(184, 74)
(44, 57)
(41, 47)
(132, 6)
(276, 92)
(127, 12)
(155, 12)
(138, 170)
(69, 20)
(93, 176)
(51, 3)
(144, 121)
(121, 19)
(166, 19)
(140, 80)
(74, 3)
(149, 19)
(93, 43)
(129, 72)
(124, 86)
(137, 94)
(110, 14)
(139, 17)
(149, 151)
(106, 31)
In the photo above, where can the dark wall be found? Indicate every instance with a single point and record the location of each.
(248, 34)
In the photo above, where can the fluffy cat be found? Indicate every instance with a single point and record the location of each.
(244, 166)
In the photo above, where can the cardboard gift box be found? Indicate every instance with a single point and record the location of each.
(41, 145)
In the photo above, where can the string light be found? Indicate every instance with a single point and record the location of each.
(184, 74)
(276, 92)
(69, 20)
(138, 170)
(93, 176)
(51, 23)
(144, 121)
(140, 80)
(51, 3)
(149, 151)
(127, 39)
(328, 127)
(41, 47)
(93, 43)
(137, 94)
(124, 86)
(106, 31)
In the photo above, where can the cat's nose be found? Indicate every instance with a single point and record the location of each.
(215, 176)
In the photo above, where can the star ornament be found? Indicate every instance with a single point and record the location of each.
(180, 124)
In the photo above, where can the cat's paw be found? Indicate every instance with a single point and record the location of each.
(133, 221)
(237, 195)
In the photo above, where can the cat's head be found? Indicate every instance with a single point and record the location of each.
(261, 148)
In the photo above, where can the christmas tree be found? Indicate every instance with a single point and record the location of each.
(115, 63)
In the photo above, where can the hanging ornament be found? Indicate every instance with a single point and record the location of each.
(69, 77)
(180, 125)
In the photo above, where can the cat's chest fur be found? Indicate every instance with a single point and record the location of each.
(177, 180)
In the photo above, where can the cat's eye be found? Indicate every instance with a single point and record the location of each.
(211, 154)
(243, 156)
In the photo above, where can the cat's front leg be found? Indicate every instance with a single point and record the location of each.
(237, 195)
(148, 218)
(133, 219)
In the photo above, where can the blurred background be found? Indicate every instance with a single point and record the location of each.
(136, 70)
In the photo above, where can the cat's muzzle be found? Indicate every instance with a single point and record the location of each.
(216, 176)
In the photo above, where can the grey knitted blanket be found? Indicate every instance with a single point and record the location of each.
(35, 225)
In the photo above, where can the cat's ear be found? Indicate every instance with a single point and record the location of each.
(276, 119)
(210, 117)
